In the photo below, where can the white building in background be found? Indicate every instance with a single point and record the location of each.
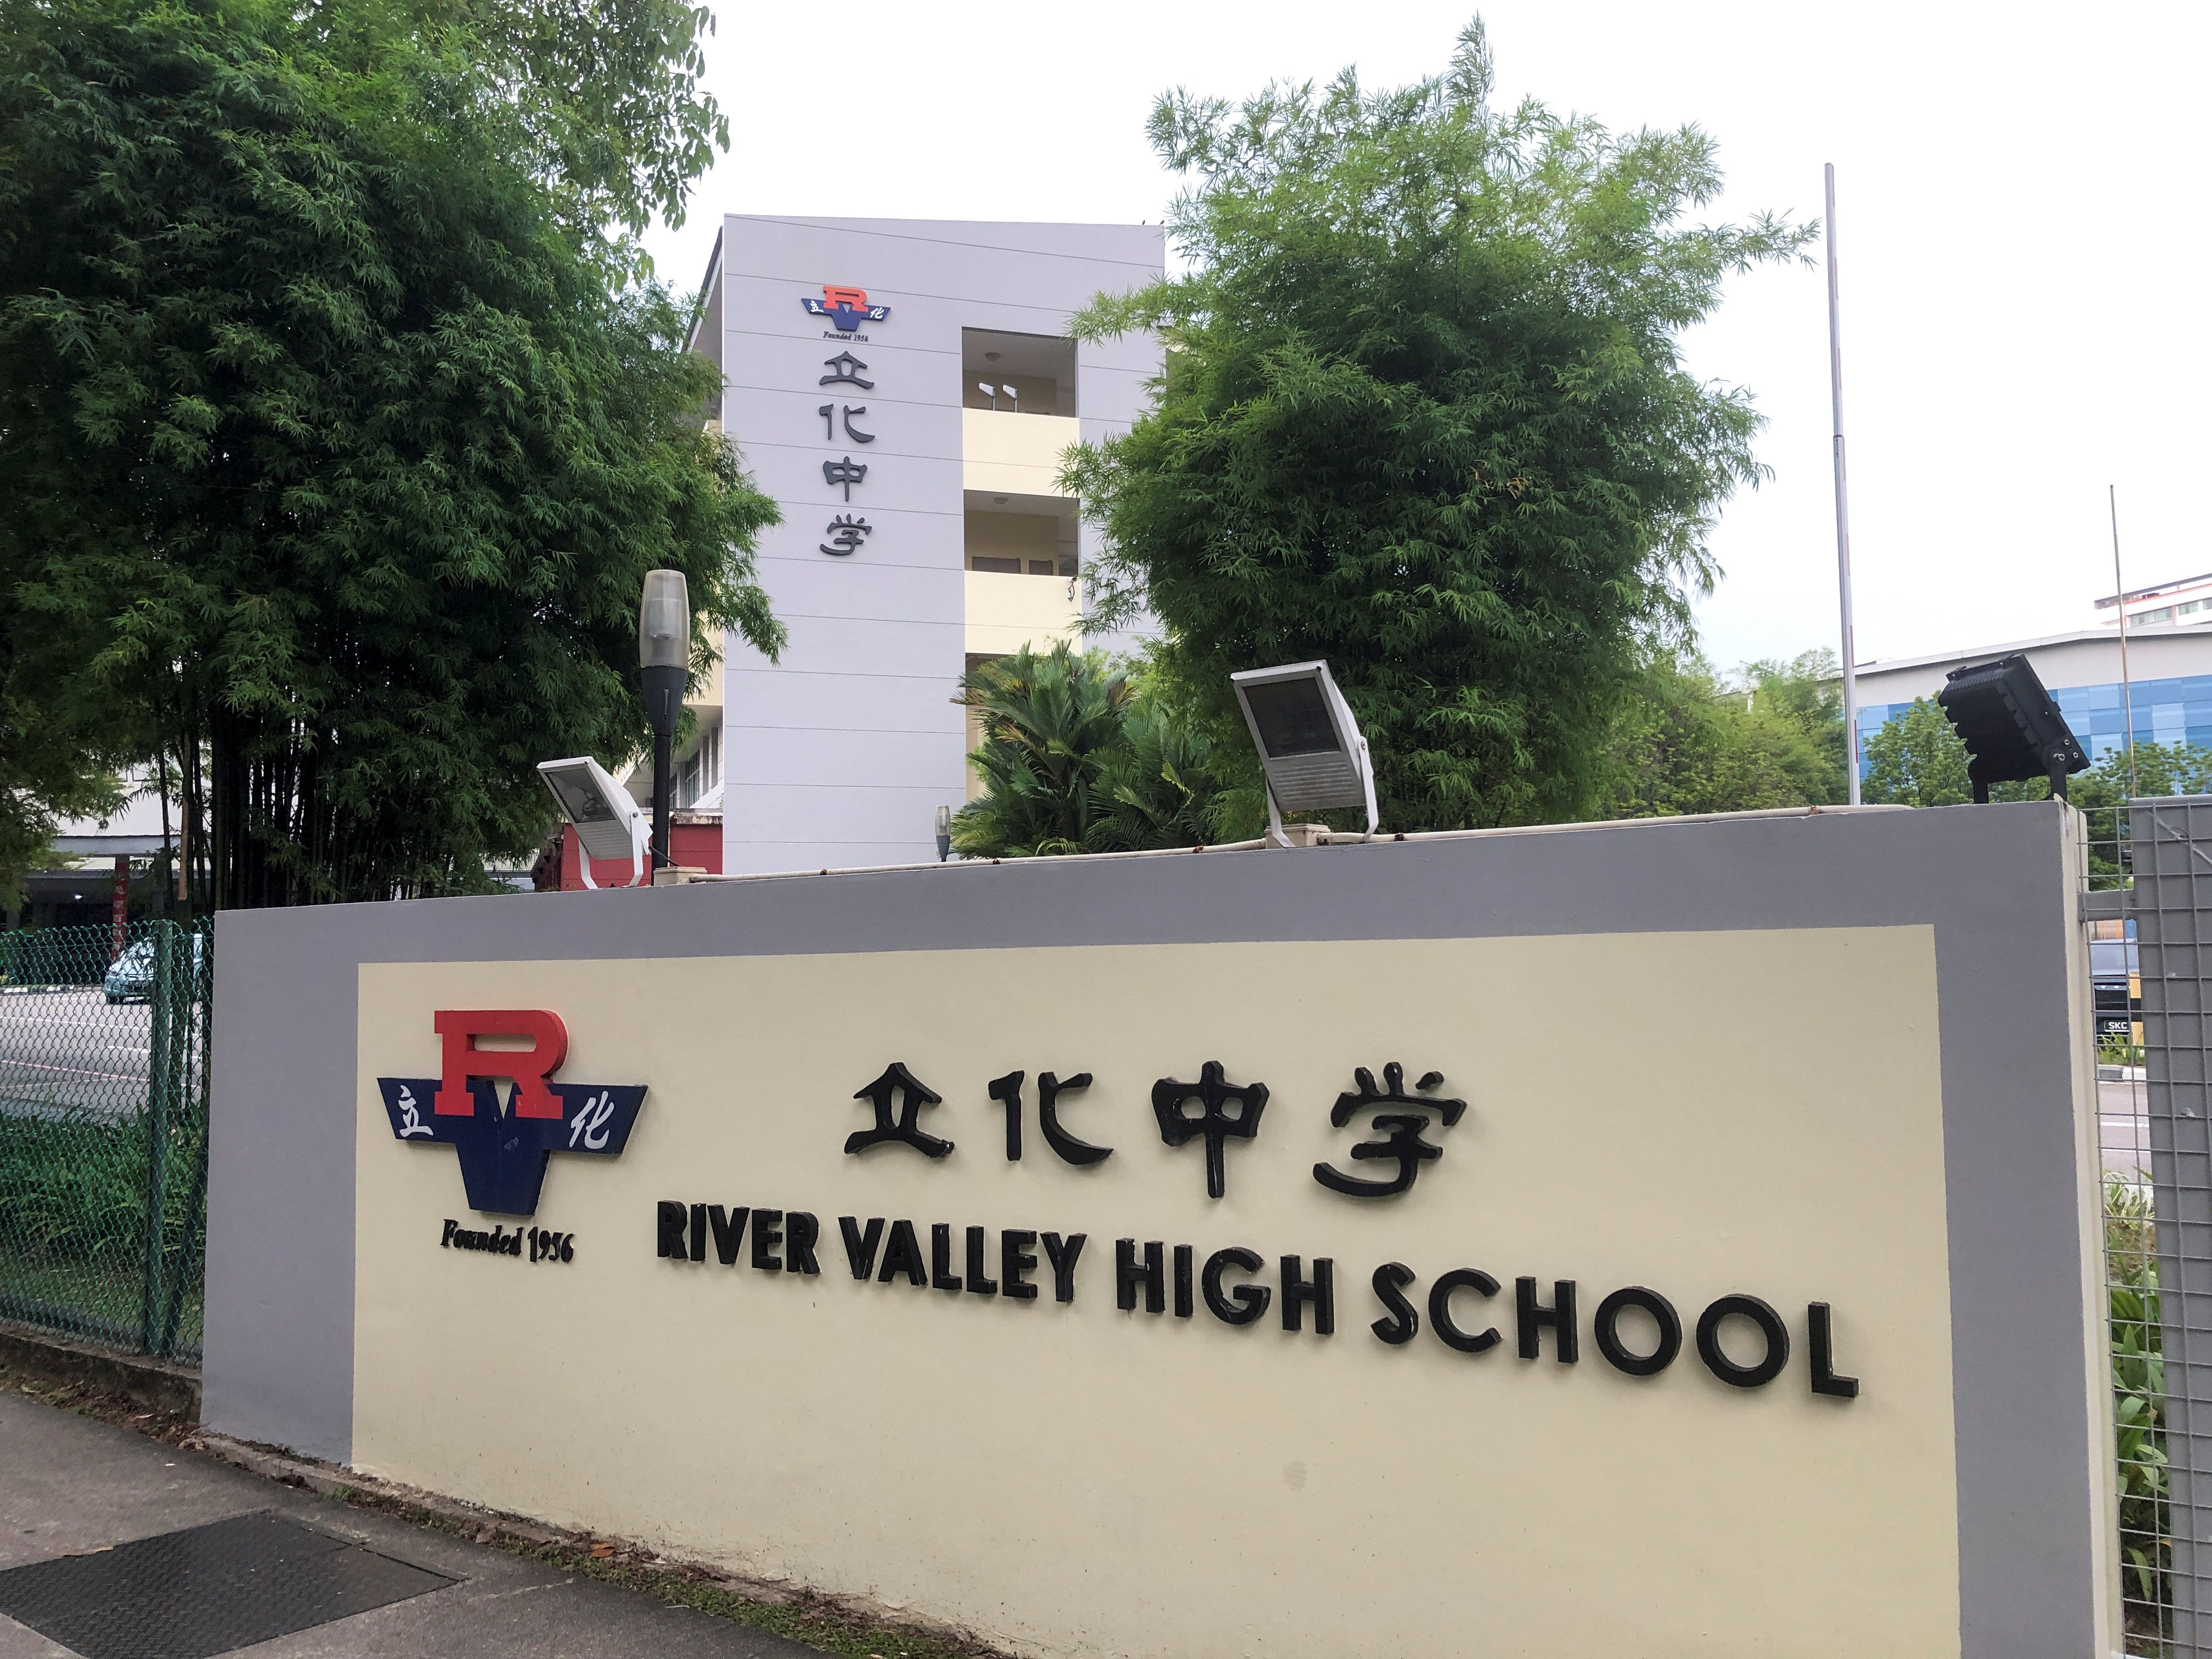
(2187, 603)
(904, 389)
(2169, 686)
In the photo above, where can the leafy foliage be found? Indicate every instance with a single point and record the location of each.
(1686, 743)
(1076, 757)
(1424, 416)
(1915, 759)
(332, 450)
(2138, 1388)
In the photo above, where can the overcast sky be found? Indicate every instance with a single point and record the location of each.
(2020, 212)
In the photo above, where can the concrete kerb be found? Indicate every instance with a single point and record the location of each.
(158, 1385)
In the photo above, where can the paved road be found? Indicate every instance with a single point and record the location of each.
(72, 1486)
(2124, 1129)
(63, 1050)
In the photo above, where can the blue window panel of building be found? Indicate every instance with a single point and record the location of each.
(2170, 711)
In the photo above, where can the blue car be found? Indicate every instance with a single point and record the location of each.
(130, 978)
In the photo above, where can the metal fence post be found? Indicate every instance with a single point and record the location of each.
(161, 1044)
(190, 1070)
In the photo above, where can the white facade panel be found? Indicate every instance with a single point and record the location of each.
(840, 753)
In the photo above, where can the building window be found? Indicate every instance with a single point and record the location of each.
(1016, 543)
(1017, 373)
(701, 771)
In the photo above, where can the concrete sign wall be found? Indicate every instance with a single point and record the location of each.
(1654, 1239)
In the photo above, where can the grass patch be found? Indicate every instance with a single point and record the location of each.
(73, 1222)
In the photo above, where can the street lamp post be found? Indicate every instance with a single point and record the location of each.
(664, 653)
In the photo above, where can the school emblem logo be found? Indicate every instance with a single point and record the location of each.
(848, 307)
(503, 1154)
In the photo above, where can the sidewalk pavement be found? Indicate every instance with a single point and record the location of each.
(69, 1486)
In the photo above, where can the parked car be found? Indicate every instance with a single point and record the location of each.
(2116, 976)
(131, 977)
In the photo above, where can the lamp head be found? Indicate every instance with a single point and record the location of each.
(606, 819)
(2012, 729)
(1310, 745)
(664, 621)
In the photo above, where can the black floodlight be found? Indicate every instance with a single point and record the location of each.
(2012, 730)
(1310, 745)
(607, 821)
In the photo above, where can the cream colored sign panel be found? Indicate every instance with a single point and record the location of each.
(1700, 1114)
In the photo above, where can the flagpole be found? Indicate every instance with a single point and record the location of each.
(1843, 505)
(2127, 688)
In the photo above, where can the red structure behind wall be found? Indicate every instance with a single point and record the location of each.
(698, 843)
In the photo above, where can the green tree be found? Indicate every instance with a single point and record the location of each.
(1686, 743)
(1915, 759)
(334, 440)
(1049, 721)
(1078, 757)
(1424, 416)
(1810, 689)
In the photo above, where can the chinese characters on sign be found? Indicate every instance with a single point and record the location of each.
(913, 1095)
(1186, 1112)
(1403, 1142)
(846, 308)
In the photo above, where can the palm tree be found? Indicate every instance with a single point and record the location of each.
(1049, 722)
(1077, 757)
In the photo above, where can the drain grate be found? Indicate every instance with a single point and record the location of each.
(205, 1590)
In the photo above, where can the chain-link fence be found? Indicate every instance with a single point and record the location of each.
(103, 1132)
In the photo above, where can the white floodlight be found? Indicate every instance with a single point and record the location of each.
(989, 390)
(607, 821)
(1310, 745)
(1015, 395)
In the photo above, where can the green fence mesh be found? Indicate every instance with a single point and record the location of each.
(103, 1133)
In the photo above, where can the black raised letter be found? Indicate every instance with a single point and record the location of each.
(1825, 1378)
(859, 1247)
(941, 1276)
(801, 1232)
(1072, 1151)
(698, 1232)
(902, 1255)
(1184, 1301)
(768, 1233)
(1605, 1326)
(1769, 1326)
(1532, 1317)
(729, 1226)
(669, 1219)
(977, 1282)
(1017, 1262)
(1242, 1303)
(1007, 1090)
(1320, 1291)
(1404, 1324)
(1063, 1254)
(1127, 1275)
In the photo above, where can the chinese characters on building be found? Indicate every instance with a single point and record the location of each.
(845, 531)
